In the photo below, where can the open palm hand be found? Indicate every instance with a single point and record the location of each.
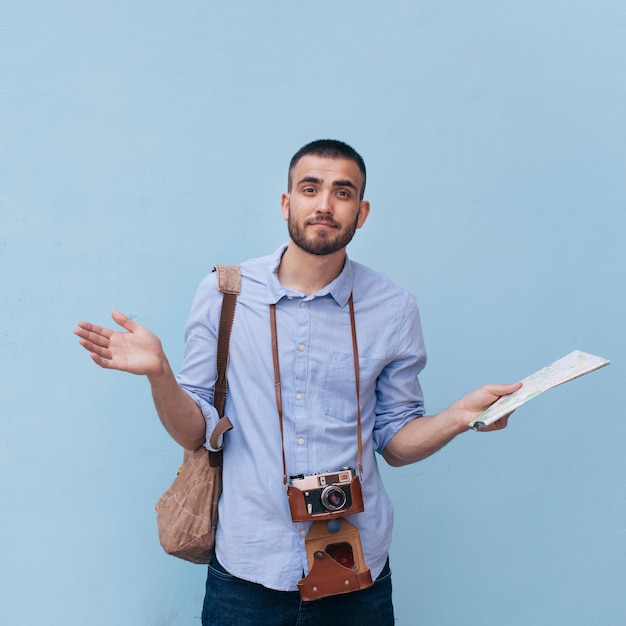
(136, 350)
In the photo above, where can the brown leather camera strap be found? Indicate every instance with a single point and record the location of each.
(277, 391)
(279, 402)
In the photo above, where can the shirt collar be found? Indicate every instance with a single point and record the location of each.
(340, 288)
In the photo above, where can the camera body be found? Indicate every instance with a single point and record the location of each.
(324, 496)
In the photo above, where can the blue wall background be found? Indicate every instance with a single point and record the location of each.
(143, 142)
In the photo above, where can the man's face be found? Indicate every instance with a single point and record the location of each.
(323, 209)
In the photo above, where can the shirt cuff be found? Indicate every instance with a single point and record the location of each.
(210, 415)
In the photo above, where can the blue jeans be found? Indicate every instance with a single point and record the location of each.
(230, 601)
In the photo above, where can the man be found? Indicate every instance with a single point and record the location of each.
(260, 551)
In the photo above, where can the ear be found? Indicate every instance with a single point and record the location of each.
(284, 203)
(364, 211)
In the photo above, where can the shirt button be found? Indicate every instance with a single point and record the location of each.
(303, 303)
(298, 396)
(301, 347)
(301, 441)
(303, 533)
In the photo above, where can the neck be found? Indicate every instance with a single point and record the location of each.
(308, 273)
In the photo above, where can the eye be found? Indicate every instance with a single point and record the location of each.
(343, 193)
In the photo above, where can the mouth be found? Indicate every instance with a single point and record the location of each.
(325, 223)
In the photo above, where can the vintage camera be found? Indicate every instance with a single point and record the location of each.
(324, 496)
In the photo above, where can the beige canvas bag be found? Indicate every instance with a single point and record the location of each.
(187, 511)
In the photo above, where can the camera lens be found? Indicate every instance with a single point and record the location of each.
(333, 498)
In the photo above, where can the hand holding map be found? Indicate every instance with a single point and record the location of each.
(571, 366)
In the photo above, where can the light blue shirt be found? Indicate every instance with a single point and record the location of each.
(256, 539)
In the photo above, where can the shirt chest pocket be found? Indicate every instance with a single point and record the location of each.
(339, 389)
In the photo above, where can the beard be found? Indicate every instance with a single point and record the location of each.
(323, 242)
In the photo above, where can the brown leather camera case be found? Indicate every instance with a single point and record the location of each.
(326, 576)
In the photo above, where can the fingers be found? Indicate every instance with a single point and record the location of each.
(99, 336)
(503, 390)
(499, 424)
(100, 360)
(111, 349)
(92, 332)
(98, 350)
(485, 396)
(96, 340)
(124, 321)
(92, 337)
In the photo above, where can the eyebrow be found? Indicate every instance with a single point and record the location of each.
(336, 183)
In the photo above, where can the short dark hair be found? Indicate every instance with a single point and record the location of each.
(329, 149)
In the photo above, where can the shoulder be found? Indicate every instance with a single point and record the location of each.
(258, 269)
(383, 301)
(376, 284)
(251, 270)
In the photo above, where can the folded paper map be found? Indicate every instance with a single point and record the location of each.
(571, 366)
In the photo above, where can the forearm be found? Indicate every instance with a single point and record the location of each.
(179, 414)
(422, 437)
(425, 435)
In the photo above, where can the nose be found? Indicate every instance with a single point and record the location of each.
(324, 202)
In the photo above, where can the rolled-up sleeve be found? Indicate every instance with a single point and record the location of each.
(198, 372)
(399, 396)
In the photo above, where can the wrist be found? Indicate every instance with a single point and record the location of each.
(459, 417)
(160, 371)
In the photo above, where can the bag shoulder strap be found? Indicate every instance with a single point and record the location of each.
(229, 283)
(228, 278)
